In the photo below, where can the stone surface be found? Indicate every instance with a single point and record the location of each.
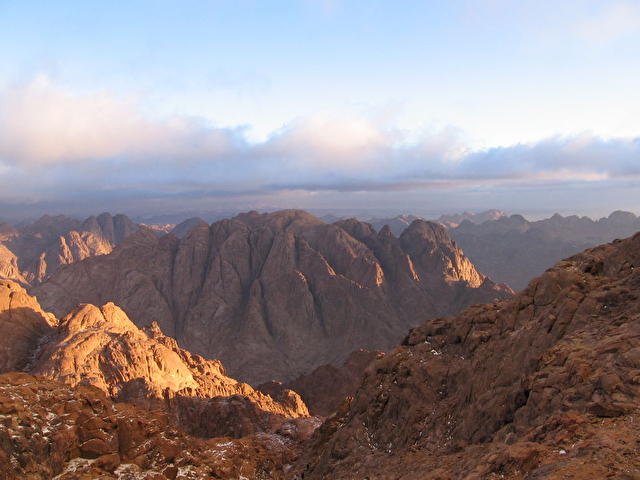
(545, 385)
(49, 430)
(287, 290)
(101, 347)
(23, 325)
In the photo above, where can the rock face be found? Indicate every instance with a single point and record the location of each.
(514, 250)
(286, 289)
(328, 386)
(50, 430)
(23, 325)
(32, 253)
(545, 385)
(101, 347)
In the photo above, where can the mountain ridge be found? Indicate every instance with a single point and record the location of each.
(286, 286)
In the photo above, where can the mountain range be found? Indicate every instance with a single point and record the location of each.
(274, 296)
(542, 384)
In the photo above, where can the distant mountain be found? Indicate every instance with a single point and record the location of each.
(31, 253)
(397, 224)
(275, 295)
(453, 220)
(514, 250)
(541, 386)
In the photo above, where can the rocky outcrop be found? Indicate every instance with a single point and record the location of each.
(49, 430)
(544, 385)
(23, 326)
(287, 290)
(101, 347)
(30, 254)
(328, 386)
(514, 250)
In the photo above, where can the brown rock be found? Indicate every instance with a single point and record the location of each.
(43, 438)
(326, 388)
(23, 324)
(540, 386)
(295, 292)
(103, 348)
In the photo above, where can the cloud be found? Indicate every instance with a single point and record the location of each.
(617, 20)
(42, 125)
(59, 146)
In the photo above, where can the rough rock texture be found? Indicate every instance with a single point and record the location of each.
(514, 250)
(33, 252)
(327, 387)
(23, 325)
(103, 348)
(50, 431)
(286, 289)
(543, 386)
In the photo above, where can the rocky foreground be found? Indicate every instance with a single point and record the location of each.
(545, 385)
(49, 430)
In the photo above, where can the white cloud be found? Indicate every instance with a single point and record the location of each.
(41, 124)
(53, 142)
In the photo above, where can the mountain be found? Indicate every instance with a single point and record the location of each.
(544, 385)
(275, 295)
(31, 253)
(455, 219)
(513, 250)
(397, 224)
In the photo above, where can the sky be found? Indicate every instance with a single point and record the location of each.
(151, 107)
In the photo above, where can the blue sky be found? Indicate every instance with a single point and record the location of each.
(311, 103)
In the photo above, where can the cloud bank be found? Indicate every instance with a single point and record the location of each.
(56, 146)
